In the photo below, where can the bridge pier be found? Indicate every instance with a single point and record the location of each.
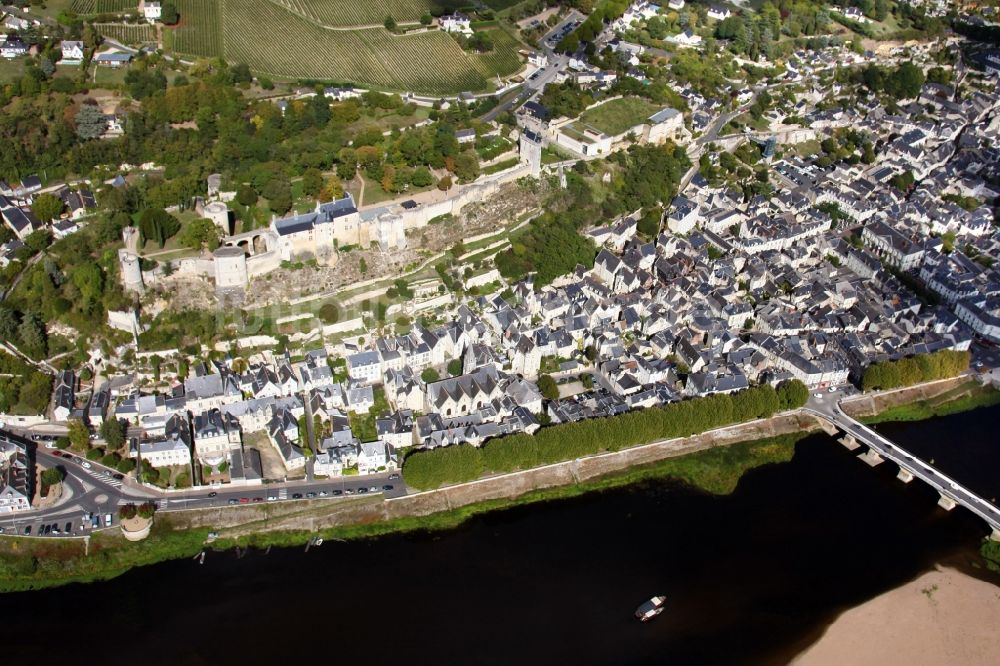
(872, 458)
(946, 502)
(849, 442)
(905, 475)
(995, 536)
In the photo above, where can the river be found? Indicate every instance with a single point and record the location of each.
(752, 578)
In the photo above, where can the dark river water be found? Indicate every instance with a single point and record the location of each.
(752, 578)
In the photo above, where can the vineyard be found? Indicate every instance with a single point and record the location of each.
(103, 6)
(128, 33)
(200, 29)
(279, 42)
(339, 13)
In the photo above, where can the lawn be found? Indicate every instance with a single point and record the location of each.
(363, 425)
(619, 115)
(11, 69)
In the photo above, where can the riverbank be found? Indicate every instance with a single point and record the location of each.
(712, 461)
(942, 617)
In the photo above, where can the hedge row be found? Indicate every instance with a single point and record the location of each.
(431, 468)
(915, 369)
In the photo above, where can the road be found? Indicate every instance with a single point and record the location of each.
(95, 490)
(827, 406)
(557, 62)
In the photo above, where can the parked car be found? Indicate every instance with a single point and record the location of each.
(310, 494)
(118, 477)
(233, 500)
(213, 494)
(323, 493)
(86, 465)
(95, 521)
(362, 490)
(296, 495)
(258, 499)
(393, 477)
(107, 520)
(387, 487)
(244, 500)
(336, 493)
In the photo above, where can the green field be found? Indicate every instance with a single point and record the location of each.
(618, 115)
(128, 33)
(104, 6)
(343, 13)
(279, 42)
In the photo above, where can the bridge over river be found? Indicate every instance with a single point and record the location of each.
(951, 492)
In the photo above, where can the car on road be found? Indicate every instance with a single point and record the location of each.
(86, 465)
(244, 500)
(296, 495)
(213, 494)
(336, 493)
(233, 500)
(323, 493)
(387, 487)
(817, 395)
(50, 445)
(393, 477)
(349, 491)
(373, 489)
(258, 499)
(77, 459)
(272, 498)
(832, 389)
(310, 494)
(362, 490)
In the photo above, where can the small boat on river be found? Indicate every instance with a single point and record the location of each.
(650, 609)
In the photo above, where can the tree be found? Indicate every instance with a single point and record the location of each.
(444, 184)
(467, 166)
(201, 233)
(792, 394)
(312, 182)
(426, 19)
(245, 195)
(430, 375)
(278, 193)
(34, 340)
(47, 207)
(455, 367)
(90, 122)
(548, 387)
(113, 433)
(390, 24)
(169, 14)
(79, 435)
(157, 225)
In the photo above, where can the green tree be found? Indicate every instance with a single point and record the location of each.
(201, 233)
(792, 394)
(455, 367)
(90, 122)
(430, 375)
(47, 207)
(245, 195)
(278, 193)
(157, 225)
(548, 387)
(113, 433)
(390, 24)
(169, 14)
(79, 435)
(312, 182)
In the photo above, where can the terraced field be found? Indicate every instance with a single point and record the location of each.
(275, 38)
(103, 6)
(347, 13)
(200, 29)
(128, 33)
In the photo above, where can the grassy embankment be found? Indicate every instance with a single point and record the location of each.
(27, 564)
(968, 396)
